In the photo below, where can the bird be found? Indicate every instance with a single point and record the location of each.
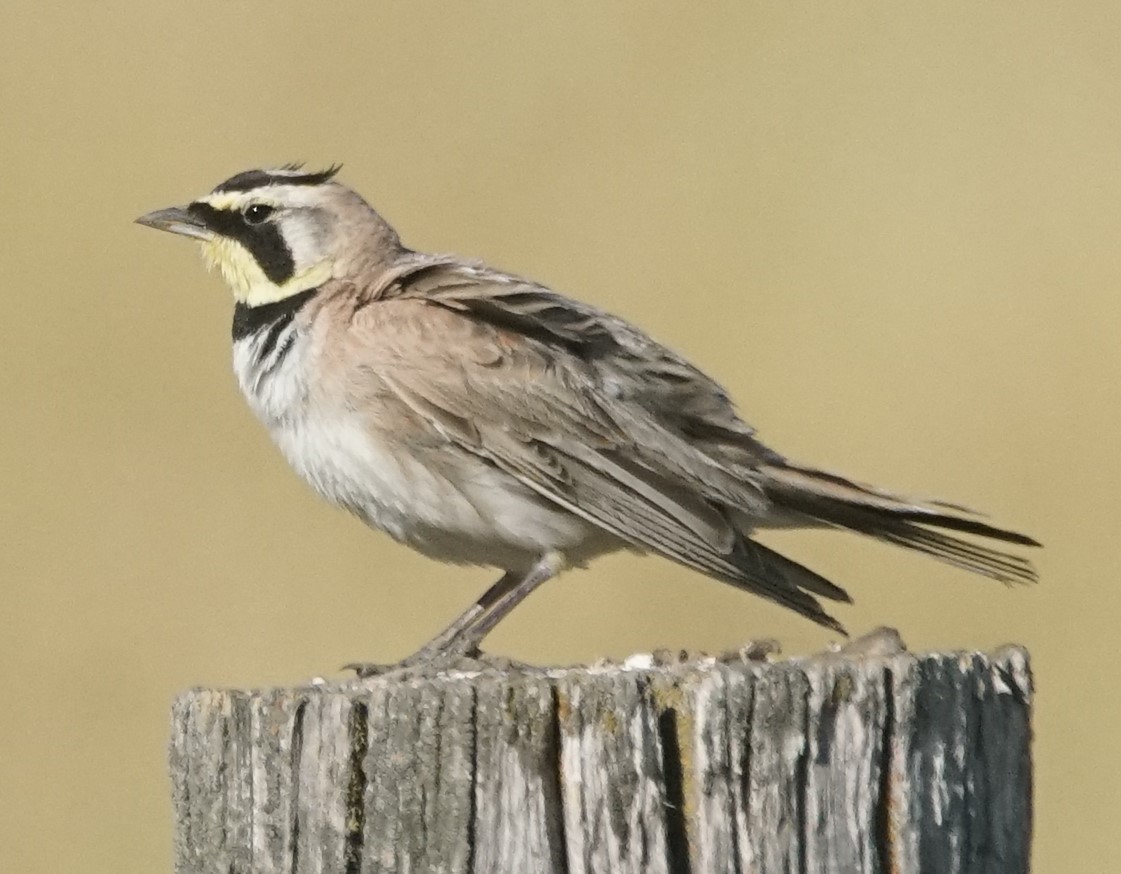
(484, 419)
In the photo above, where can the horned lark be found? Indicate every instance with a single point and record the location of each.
(484, 419)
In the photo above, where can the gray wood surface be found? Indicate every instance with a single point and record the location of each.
(860, 761)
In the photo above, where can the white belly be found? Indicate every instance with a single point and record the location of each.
(455, 508)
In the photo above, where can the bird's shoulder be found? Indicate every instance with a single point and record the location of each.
(486, 341)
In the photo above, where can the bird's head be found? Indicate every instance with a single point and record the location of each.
(276, 233)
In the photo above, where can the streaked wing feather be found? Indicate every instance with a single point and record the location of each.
(677, 420)
(497, 396)
(749, 566)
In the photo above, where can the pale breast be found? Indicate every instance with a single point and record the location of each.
(447, 504)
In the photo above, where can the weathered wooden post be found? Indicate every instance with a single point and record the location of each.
(847, 762)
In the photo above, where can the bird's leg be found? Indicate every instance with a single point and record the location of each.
(459, 642)
(445, 641)
(440, 643)
(466, 641)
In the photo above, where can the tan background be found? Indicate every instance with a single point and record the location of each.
(891, 233)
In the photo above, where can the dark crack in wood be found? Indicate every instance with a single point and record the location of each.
(677, 837)
(359, 742)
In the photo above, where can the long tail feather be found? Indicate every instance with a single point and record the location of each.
(833, 500)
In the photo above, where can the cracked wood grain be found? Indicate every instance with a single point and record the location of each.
(867, 762)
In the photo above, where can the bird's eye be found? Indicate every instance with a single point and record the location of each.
(256, 213)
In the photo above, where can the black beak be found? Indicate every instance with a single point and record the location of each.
(176, 220)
